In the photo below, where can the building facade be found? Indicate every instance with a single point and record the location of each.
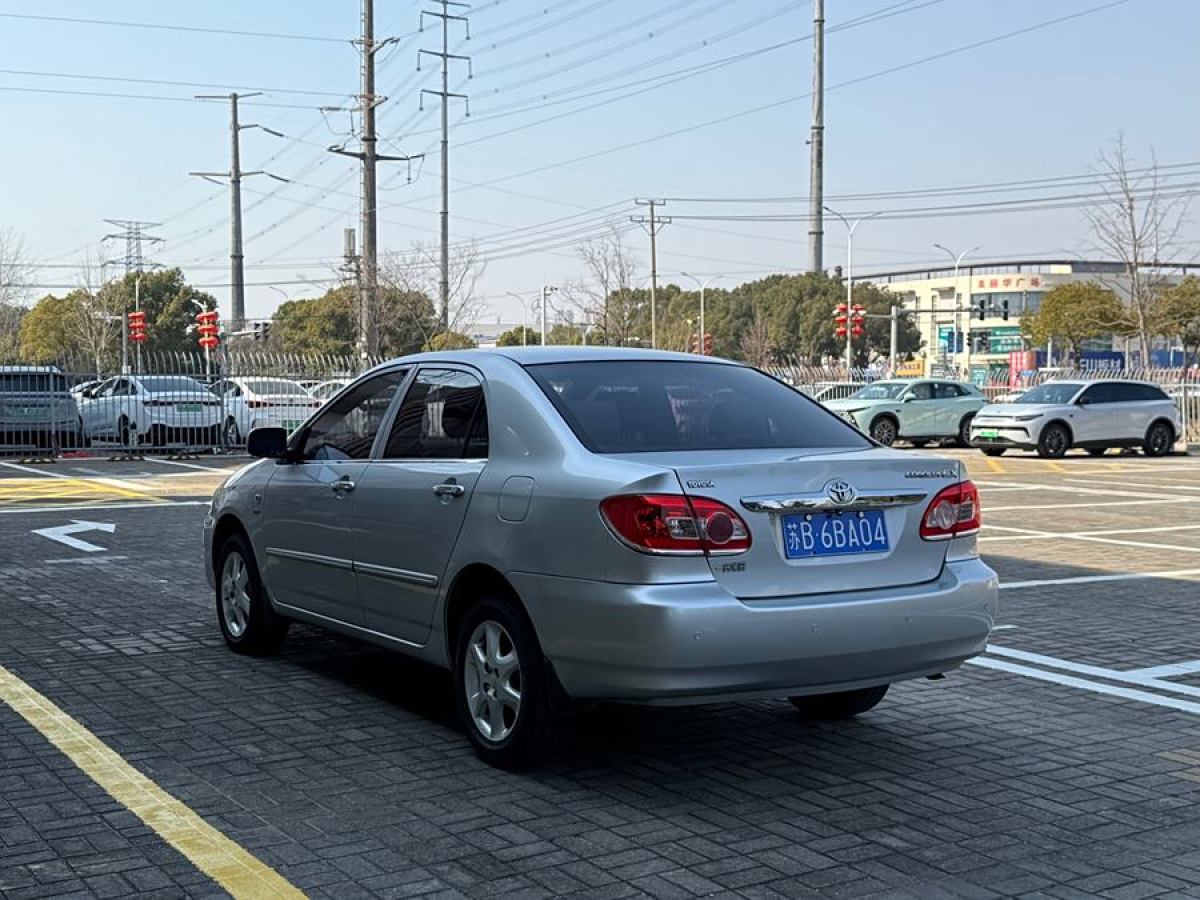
(970, 318)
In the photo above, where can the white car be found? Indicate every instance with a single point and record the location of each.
(327, 389)
(1091, 415)
(249, 402)
(151, 409)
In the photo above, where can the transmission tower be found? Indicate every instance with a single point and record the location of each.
(134, 234)
(446, 17)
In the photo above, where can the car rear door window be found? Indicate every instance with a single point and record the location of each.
(944, 390)
(646, 406)
(443, 416)
(347, 428)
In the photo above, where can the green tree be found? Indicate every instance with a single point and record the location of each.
(450, 340)
(44, 331)
(514, 338)
(322, 325)
(1074, 313)
(1181, 312)
(563, 335)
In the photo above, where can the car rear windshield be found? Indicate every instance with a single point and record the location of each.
(31, 382)
(274, 386)
(174, 384)
(631, 407)
(1061, 392)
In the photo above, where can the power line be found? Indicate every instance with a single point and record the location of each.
(77, 76)
(156, 26)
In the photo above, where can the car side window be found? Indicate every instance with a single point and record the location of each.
(347, 429)
(119, 388)
(921, 391)
(442, 417)
(946, 391)
(1099, 393)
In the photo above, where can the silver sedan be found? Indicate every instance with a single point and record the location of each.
(562, 525)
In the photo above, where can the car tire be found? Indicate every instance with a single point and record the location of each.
(963, 439)
(885, 430)
(248, 623)
(233, 435)
(1160, 438)
(1097, 451)
(497, 656)
(128, 434)
(993, 451)
(1054, 441)
(842, 705)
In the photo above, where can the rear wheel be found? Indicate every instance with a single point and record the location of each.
(501, 687)
(964, 431)
(233, 434)
(885, 430)
(248, 623)
(842, 705)
(1054, 442)
(1159, 439)
(128, 433)
(993, 451)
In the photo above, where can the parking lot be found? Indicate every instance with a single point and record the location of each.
(1064, 763)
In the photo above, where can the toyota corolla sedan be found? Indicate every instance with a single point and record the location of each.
(561, 525)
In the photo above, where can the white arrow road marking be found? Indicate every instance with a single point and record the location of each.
(62, 534)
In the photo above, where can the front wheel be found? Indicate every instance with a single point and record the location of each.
(233, 434)
(1159, 439)
(1054, 442)
(248, 624)
(842, 705)
(501, 686)
(964, 431)
(885, 430)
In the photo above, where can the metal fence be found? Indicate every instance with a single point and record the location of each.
(168, 403)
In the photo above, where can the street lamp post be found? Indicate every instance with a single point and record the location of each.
(524, 317)
(547, 290)
(850, 229)
(966, 352)
(703, 287)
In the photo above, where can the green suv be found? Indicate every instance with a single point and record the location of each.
(918, 411)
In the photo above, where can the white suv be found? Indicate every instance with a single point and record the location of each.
(1092, 415)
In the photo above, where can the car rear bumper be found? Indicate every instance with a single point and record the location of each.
(694, 642)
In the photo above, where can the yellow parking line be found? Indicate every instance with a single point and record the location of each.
(994, 465)
(22, 490)
(226, 863)
(1056, 467)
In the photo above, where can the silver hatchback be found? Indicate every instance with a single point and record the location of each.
(561, 525)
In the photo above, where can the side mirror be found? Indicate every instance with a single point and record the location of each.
(267, 443)
(87, 395)
(907, 398)
(1084, 401)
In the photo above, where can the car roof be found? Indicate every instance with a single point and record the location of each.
(23, 370)
(526, 356)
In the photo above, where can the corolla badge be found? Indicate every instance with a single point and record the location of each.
(840, 492)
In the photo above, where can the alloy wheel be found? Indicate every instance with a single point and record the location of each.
(235, 595)
(884, 431)
(492, 681)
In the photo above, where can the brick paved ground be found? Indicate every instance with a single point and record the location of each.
(341, 766)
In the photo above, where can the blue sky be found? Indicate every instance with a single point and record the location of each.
(1032, 106)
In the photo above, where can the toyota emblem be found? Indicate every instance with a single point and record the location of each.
(840, 493)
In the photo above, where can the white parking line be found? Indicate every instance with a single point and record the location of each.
(1093, 579)
(1117, 490)
(1083, 684)
(995, 509)
(1066, 665)
(1081, 534)
(182, 465)
(1171, 670)
(71, 507)
(1031, 535)
(1138, 484)
(33, 471)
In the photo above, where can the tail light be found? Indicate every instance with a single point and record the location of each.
(676, 524)
(954, 512)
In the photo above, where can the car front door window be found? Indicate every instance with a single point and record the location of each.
(346, 430)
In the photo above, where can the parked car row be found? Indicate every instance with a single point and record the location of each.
(1050, 419)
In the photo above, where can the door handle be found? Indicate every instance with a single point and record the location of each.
(447, 489)
(342, 486)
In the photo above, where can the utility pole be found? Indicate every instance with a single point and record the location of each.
(368, 154)
(547, 290)
(445, 94)
(237, 274)
(133, 233)
(653, 225)
(816, 149)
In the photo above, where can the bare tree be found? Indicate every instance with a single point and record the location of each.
(94, 319)
(606, 293)
(756, 341)
(1138, 223)
(14, 278)
(415, 271)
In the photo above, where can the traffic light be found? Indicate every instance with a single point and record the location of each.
(1004, 309)
(208, 329)
(262, 331)
(137, 327)
(841, 319)
(707, 344)
(858, 320)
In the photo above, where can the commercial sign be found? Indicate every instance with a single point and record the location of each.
(1010, 283)
(1004, 339)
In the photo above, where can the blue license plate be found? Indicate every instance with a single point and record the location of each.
(834, 534)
